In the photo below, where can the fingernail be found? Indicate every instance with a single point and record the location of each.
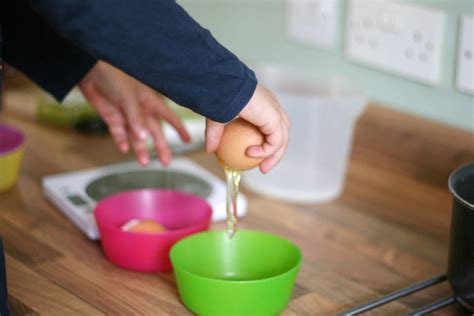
(254, 152)
(144, 161)
(143, 134)
(123, 148)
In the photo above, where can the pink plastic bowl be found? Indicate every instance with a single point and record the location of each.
(182, 213)
(12, 146)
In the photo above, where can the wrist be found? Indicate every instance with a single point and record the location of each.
(252, 107)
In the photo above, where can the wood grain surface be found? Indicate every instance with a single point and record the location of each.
(388, 229)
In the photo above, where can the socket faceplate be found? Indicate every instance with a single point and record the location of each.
(399, 38)
(313, 22)
(465, 69)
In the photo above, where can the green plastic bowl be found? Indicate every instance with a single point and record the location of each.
(251, 274)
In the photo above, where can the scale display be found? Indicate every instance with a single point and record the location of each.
(76, 193)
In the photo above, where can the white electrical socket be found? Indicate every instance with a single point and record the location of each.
(400, 38)
(465, 69)
(313, 22)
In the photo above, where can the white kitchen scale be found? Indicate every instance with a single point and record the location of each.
(76, 193)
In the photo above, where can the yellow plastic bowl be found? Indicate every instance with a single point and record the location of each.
(12, 146)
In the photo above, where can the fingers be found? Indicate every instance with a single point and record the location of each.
(273, 128)
(274, 159)
(111, 115)
(136, 128)
(140, 148)
(161, 146)
(135, 117)
(119, 134)
(155, 104)
(273, 141)
(264, 111)
(214, 131)
(117, 98)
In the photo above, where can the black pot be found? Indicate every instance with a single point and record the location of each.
(461, 247)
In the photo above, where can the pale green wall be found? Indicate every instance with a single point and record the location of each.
(256, 31)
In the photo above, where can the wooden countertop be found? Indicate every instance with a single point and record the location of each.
(389, 228)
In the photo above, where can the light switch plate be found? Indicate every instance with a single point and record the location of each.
(313, 22)
(465, 68)
(400, 38)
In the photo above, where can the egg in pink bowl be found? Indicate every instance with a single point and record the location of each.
(181, 213)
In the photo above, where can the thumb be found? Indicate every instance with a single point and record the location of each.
(214, 132)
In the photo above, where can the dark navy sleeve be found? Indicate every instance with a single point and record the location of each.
(158, 43)
(31, 45)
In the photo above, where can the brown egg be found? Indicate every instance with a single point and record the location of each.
(238, 136)
(144, 226)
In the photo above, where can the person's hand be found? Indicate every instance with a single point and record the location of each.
(131, 110)
(263, 111)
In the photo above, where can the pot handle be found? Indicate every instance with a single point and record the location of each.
(405, 292)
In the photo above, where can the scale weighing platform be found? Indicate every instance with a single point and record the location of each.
(76, 193)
